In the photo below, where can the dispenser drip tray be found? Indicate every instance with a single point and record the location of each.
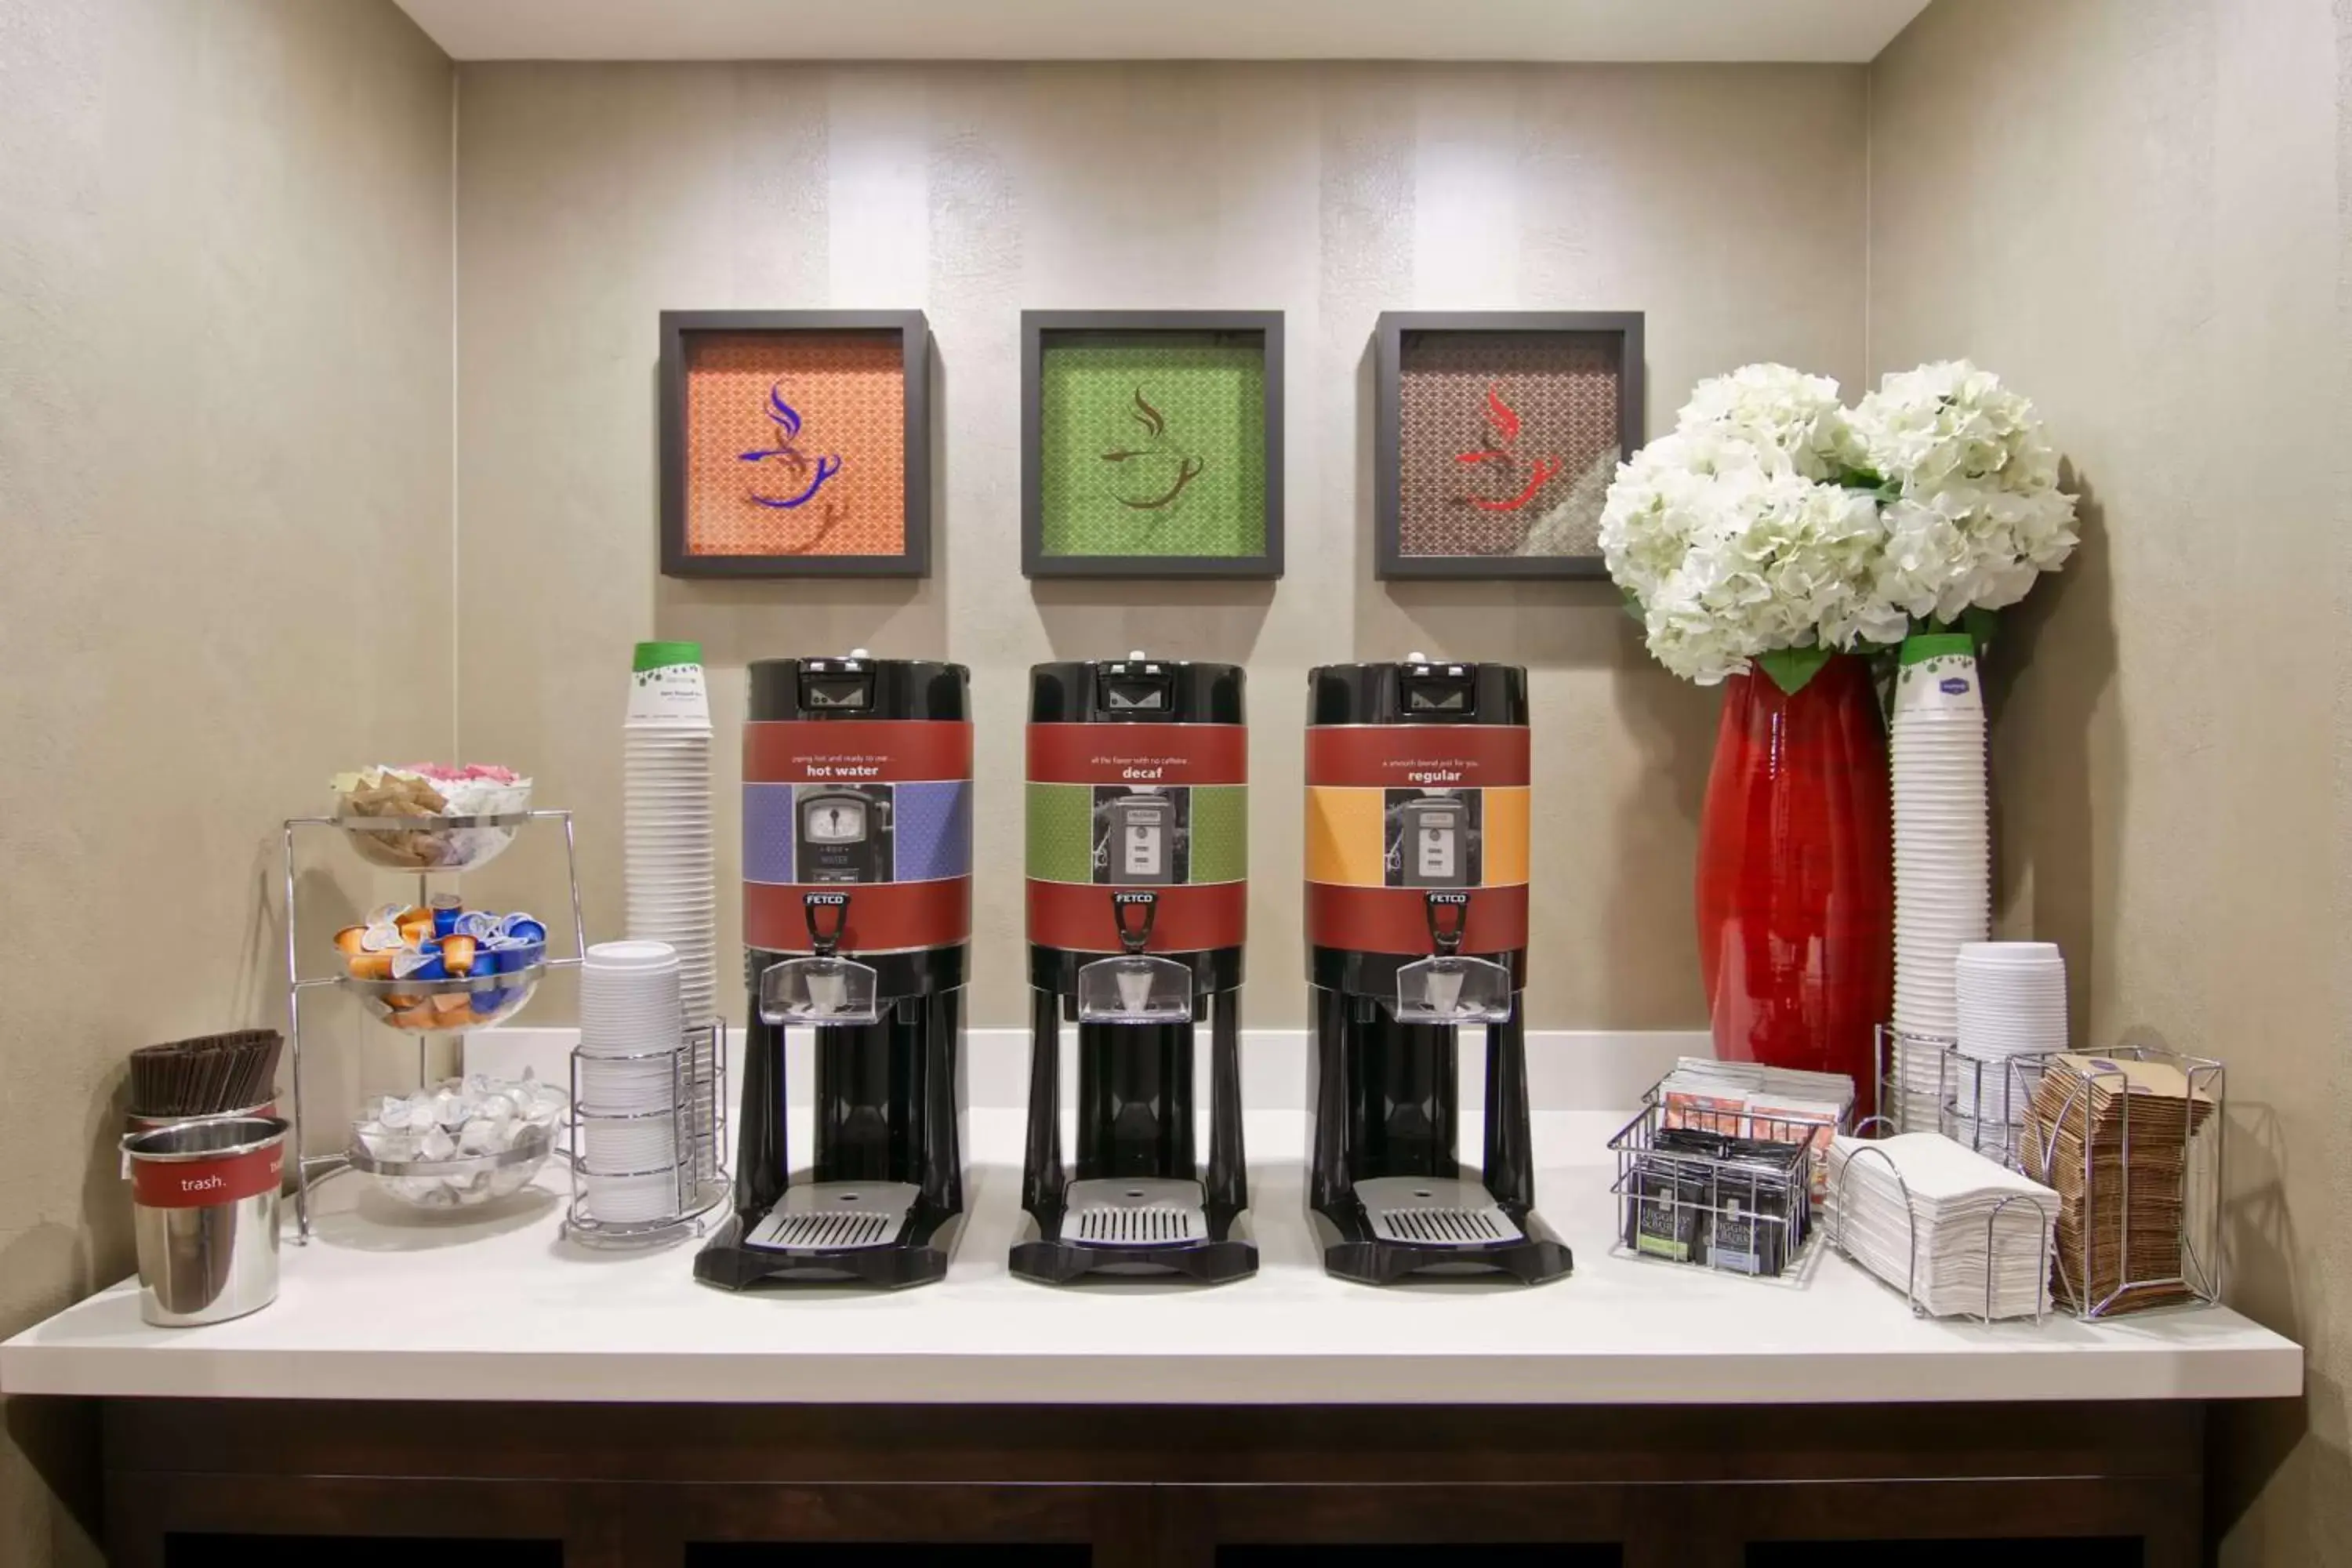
(821, 990)
(1430, 1211)
(835, 1216)
(1451, 989)
(1135, 988)
(1145, 1211)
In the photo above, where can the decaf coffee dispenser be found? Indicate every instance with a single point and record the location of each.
(856, 926)
(1138, 848)
(1417, 924)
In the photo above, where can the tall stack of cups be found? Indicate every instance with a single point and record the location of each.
(670, 866)
(1943, 863)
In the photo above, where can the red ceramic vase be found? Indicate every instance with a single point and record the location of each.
(1796, 885)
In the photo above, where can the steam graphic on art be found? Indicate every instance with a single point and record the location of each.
(1517, 482)
(1161, 468)
(810, 477)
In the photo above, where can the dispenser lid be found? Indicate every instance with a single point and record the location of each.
(1418, 690)
(1137, 689)
(856, 684)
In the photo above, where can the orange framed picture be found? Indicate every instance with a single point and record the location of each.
(795, 444)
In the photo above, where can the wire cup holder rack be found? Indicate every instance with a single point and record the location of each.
(697, 1173)
(1979, 1100)
(1995, 1107)
(464, 998)
(1730, 1190)
(2071, 1085)
(1891, 1047)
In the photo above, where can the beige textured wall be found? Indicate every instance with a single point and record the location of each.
(1726, 202)
(2135, 209)
(224, 458)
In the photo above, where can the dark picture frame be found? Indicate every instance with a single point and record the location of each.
(1041, 332)
(1390, 337)
(914, 335)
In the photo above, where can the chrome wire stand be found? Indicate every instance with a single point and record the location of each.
(308, 1167)
(697, 1166)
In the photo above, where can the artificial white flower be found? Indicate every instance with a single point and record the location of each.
(1728, 541)
(1774, 561)
(1770, 519)
(1977, 513)
(1783, 413)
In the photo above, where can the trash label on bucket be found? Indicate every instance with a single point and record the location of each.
(201, 1184)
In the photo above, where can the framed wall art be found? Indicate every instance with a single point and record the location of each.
(1497, 433)
(795, 444)
(1151, 443)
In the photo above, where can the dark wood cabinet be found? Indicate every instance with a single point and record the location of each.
(190, 1483)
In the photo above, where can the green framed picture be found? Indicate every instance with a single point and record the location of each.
(1152, 443)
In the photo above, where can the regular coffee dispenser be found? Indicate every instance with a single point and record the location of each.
(1138, 850)
(1417, 823)
(856, 929)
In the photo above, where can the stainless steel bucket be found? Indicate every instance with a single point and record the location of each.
(206, 1196)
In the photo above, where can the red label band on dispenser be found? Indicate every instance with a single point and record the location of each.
(1138, 754)
(882, 917)
(1396, 920)
(855, 751)
(1417, 757)
(1080, 918)
(205, 1184)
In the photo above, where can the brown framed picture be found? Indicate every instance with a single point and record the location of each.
(1498, 431)
(1151, 443)
(795, 444)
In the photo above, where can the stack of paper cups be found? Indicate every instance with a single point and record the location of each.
(1942, 854)
(670, 868)
(629, 1081)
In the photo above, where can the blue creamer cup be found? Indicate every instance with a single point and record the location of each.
(488, 1000)
(524, 928)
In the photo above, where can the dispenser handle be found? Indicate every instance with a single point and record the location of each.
(1131, 937)
(1447, 934)
(822, 939)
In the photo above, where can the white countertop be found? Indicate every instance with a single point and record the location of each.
(382, 1305)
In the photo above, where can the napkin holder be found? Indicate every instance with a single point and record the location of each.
(1910, 1287)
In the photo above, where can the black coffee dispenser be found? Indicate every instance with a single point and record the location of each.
(856, 926)
(1417, 824)
(1138, 855)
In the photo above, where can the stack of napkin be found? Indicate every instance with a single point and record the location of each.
(1960, 1233)
(2074, 1138)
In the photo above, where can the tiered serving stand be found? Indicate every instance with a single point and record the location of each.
(485, 839)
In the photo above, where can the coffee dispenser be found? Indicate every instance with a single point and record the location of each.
(857, 927)
(1416, 925)
(1138, 851)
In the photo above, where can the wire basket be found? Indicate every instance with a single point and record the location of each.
(1736, 1199)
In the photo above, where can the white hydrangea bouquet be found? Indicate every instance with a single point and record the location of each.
(1775, 528)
